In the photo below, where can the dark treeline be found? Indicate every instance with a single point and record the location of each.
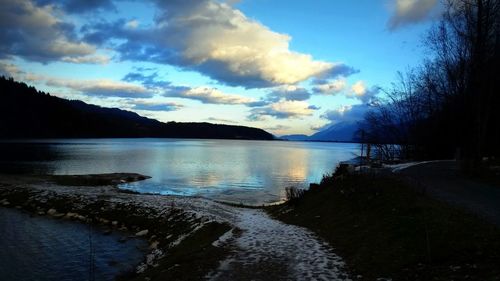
(28, 113)
(449, 106)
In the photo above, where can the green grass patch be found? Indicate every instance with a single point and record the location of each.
(385, 229)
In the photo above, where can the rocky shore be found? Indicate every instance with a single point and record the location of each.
(165, 222)
(189, 238)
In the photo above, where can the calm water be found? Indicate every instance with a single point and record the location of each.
(41, 248)
(251, 172)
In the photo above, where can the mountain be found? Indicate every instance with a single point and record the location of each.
(295, 137)
(341, 132)
(28, 113)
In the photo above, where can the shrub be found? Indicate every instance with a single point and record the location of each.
(294, 194)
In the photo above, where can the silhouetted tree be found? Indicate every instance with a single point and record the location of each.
(449, 103)
(27, 113)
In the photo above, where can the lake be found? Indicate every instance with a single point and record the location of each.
(239, 171)
(42, 248)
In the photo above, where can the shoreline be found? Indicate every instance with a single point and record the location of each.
(190, 238)
(86, 201)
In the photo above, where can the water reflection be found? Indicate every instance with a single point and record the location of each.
(22, 158)
(251, 172)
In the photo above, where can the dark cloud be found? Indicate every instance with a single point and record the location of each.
(293, 93)
(339, 70)
(260, 103)
(149, 81)
(329, 87)
(285, 93)
(371, 95)
(35, 33)
(408, 12)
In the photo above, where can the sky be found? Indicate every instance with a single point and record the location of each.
(289, 67)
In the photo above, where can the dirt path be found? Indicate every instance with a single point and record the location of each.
(443, 180)
(271, 250)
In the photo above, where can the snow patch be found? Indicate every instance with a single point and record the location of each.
(264, 239)
(223, 240)
(395, 168)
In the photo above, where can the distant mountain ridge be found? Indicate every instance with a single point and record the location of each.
(341, 132)
(28, 113)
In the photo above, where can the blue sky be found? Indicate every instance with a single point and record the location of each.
(290, 67)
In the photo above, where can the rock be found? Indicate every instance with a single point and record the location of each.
(103, 221)
(5, 202)
(114, 223)
(70, 215)
(51, 212)
(142, 233)
(41, 213)
(58, 215)
(154, 245)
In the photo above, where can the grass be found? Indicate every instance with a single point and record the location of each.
(385, 229)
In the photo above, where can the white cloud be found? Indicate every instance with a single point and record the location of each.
(208, 95)
(331, 87)
(102, 87)
(96, 59)
(37, 33)
(283, 109)
(411, 11)
(8, 69)
(217, 40)
(148, 105)
(132, 24)
(217, 33)
(293, 108)
(358, 89)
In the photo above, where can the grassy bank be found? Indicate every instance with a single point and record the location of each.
(386, 229)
